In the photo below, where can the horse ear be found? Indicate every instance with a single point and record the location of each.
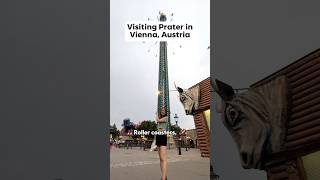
(224, 90)
(180, 90)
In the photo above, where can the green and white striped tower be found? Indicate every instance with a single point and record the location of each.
(163, 84)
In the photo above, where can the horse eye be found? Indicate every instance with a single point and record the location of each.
(232, 115)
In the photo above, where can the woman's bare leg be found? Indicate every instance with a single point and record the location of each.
(163, 161)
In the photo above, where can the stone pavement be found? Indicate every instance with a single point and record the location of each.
(136, 164)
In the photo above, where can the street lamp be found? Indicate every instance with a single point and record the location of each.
(179, 140)
(176, 119)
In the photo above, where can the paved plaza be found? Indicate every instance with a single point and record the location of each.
(136, 164)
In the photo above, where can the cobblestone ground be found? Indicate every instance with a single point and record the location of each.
(136, 164)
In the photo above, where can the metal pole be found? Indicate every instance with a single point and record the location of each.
(178, 135)
(179, 148)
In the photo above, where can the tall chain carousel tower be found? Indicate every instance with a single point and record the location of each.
(163, 84)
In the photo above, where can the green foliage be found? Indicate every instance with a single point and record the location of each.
(175, 128)
(114, 131)
(148, 126)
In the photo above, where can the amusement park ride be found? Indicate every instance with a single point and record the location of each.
(163, 83)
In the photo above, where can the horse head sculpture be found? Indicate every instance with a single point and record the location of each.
(189, 98)
(255, 119)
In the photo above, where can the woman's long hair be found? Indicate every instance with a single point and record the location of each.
(160, 114)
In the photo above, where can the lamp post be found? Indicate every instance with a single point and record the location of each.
(176, 119)
(179, 142)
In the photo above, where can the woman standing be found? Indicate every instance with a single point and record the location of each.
(161, 142)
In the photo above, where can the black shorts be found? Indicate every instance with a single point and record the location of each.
(161, 140)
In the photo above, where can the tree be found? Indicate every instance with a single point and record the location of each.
(148, 126)
(114, 131)
(175, 128)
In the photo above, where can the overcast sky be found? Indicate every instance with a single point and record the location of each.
(134, 70)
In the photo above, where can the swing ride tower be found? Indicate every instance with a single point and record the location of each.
(163, 83)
